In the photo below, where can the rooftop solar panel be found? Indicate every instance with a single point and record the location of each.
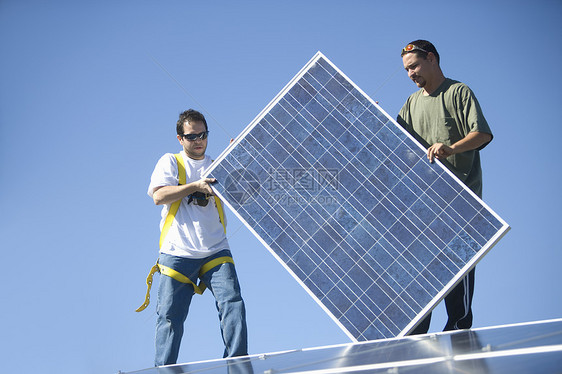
(347, 202)
(521, 348)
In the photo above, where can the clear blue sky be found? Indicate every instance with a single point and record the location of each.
(86, 110)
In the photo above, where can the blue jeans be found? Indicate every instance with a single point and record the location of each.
(174, 299)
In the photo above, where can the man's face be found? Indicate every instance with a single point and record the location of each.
(194, 149)
(419, 69)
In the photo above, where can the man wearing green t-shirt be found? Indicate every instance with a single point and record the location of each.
(445, 117)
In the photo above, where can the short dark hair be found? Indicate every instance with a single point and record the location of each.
(190, 115)
(424, 47)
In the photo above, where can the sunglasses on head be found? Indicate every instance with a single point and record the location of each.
(194, 137)
(411, 48)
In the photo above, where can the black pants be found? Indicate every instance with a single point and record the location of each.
(459, 307)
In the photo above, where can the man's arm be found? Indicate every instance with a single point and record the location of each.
(472, 141)
(170, 194)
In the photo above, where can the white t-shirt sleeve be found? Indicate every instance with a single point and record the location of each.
(165, 173)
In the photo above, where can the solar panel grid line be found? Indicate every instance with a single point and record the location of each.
(306, 114)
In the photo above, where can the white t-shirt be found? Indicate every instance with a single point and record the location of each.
(196, 231)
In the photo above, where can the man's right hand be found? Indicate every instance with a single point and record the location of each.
(204, 185)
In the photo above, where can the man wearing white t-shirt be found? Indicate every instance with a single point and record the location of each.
(193, 245)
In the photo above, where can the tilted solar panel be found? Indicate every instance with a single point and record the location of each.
(346, 200)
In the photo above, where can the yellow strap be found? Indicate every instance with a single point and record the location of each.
(221, 212)
(210, 265)
(181, 168)
(149, 286)
(214, 263)
(175, 206)
(218, 203)
(165, 270)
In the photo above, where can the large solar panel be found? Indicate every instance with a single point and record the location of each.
(346, 200)
(522, 348)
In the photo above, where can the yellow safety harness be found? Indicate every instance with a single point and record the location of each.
(165, 270)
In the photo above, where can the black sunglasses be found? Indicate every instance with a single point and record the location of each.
(194, 137)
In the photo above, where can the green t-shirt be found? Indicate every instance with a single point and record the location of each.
(446, 116)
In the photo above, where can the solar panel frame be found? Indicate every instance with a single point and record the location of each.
(387, 199)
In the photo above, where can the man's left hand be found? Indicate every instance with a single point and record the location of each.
(439, 151)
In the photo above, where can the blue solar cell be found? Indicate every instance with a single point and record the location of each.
(348, 201)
